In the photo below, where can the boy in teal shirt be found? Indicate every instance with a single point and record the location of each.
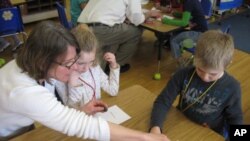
(76, 8)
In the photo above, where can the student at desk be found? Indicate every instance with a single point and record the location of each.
(49, 56)
(209, 96)
(190, 13)
(85, 85)
(76, 7)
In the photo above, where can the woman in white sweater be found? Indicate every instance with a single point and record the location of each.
(49, 55)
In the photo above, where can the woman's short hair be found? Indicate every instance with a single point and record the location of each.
(46, 42)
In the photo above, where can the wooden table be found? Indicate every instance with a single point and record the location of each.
(137, 102)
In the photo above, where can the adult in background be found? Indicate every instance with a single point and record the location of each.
(115, 24)
(49, 56)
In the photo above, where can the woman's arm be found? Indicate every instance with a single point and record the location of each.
(120, 133)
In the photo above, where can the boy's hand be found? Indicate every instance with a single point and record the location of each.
(154, 13)
(155, 130)
(94, 106)
(110, 58)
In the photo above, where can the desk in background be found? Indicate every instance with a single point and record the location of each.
(137, 102)
(162, 31)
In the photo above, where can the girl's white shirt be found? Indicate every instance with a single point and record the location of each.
(23, 101)
(83, 93)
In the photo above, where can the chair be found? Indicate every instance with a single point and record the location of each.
(207, 8)
(11, 22)
(226, 28)
(62, 16)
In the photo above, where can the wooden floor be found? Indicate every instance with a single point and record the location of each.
(144, 65)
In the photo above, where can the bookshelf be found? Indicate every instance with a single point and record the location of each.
(35, 10)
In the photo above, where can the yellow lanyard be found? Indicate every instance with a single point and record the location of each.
(202, 95)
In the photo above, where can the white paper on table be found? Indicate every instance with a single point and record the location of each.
(115, 115)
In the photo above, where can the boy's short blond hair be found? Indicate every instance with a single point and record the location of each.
(86, 39)
(214, 50)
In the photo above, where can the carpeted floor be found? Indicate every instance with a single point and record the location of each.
(240, 29)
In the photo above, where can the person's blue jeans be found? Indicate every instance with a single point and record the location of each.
(177, 40)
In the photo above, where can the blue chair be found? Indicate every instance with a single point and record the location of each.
(226, 28)
(11, 23)
(62, 16)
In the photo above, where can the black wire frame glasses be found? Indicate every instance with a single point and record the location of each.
(69, 64)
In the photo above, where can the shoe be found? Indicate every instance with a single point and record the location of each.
(2, 48)
(124, 68)
(17, 45)
(166, 44)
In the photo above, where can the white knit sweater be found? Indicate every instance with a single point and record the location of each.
(23, 101)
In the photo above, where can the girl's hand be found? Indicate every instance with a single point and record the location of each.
(110, 58)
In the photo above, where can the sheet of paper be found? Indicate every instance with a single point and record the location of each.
(115, 115)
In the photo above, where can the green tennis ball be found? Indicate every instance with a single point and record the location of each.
(157, 76)
(188, 43)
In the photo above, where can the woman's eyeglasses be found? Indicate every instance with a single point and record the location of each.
(68, 64)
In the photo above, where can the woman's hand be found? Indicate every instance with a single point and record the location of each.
(94, 106)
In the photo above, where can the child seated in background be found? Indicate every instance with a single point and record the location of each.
(76, 7)
(190, 13)
(209, 95)
(85, 86)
